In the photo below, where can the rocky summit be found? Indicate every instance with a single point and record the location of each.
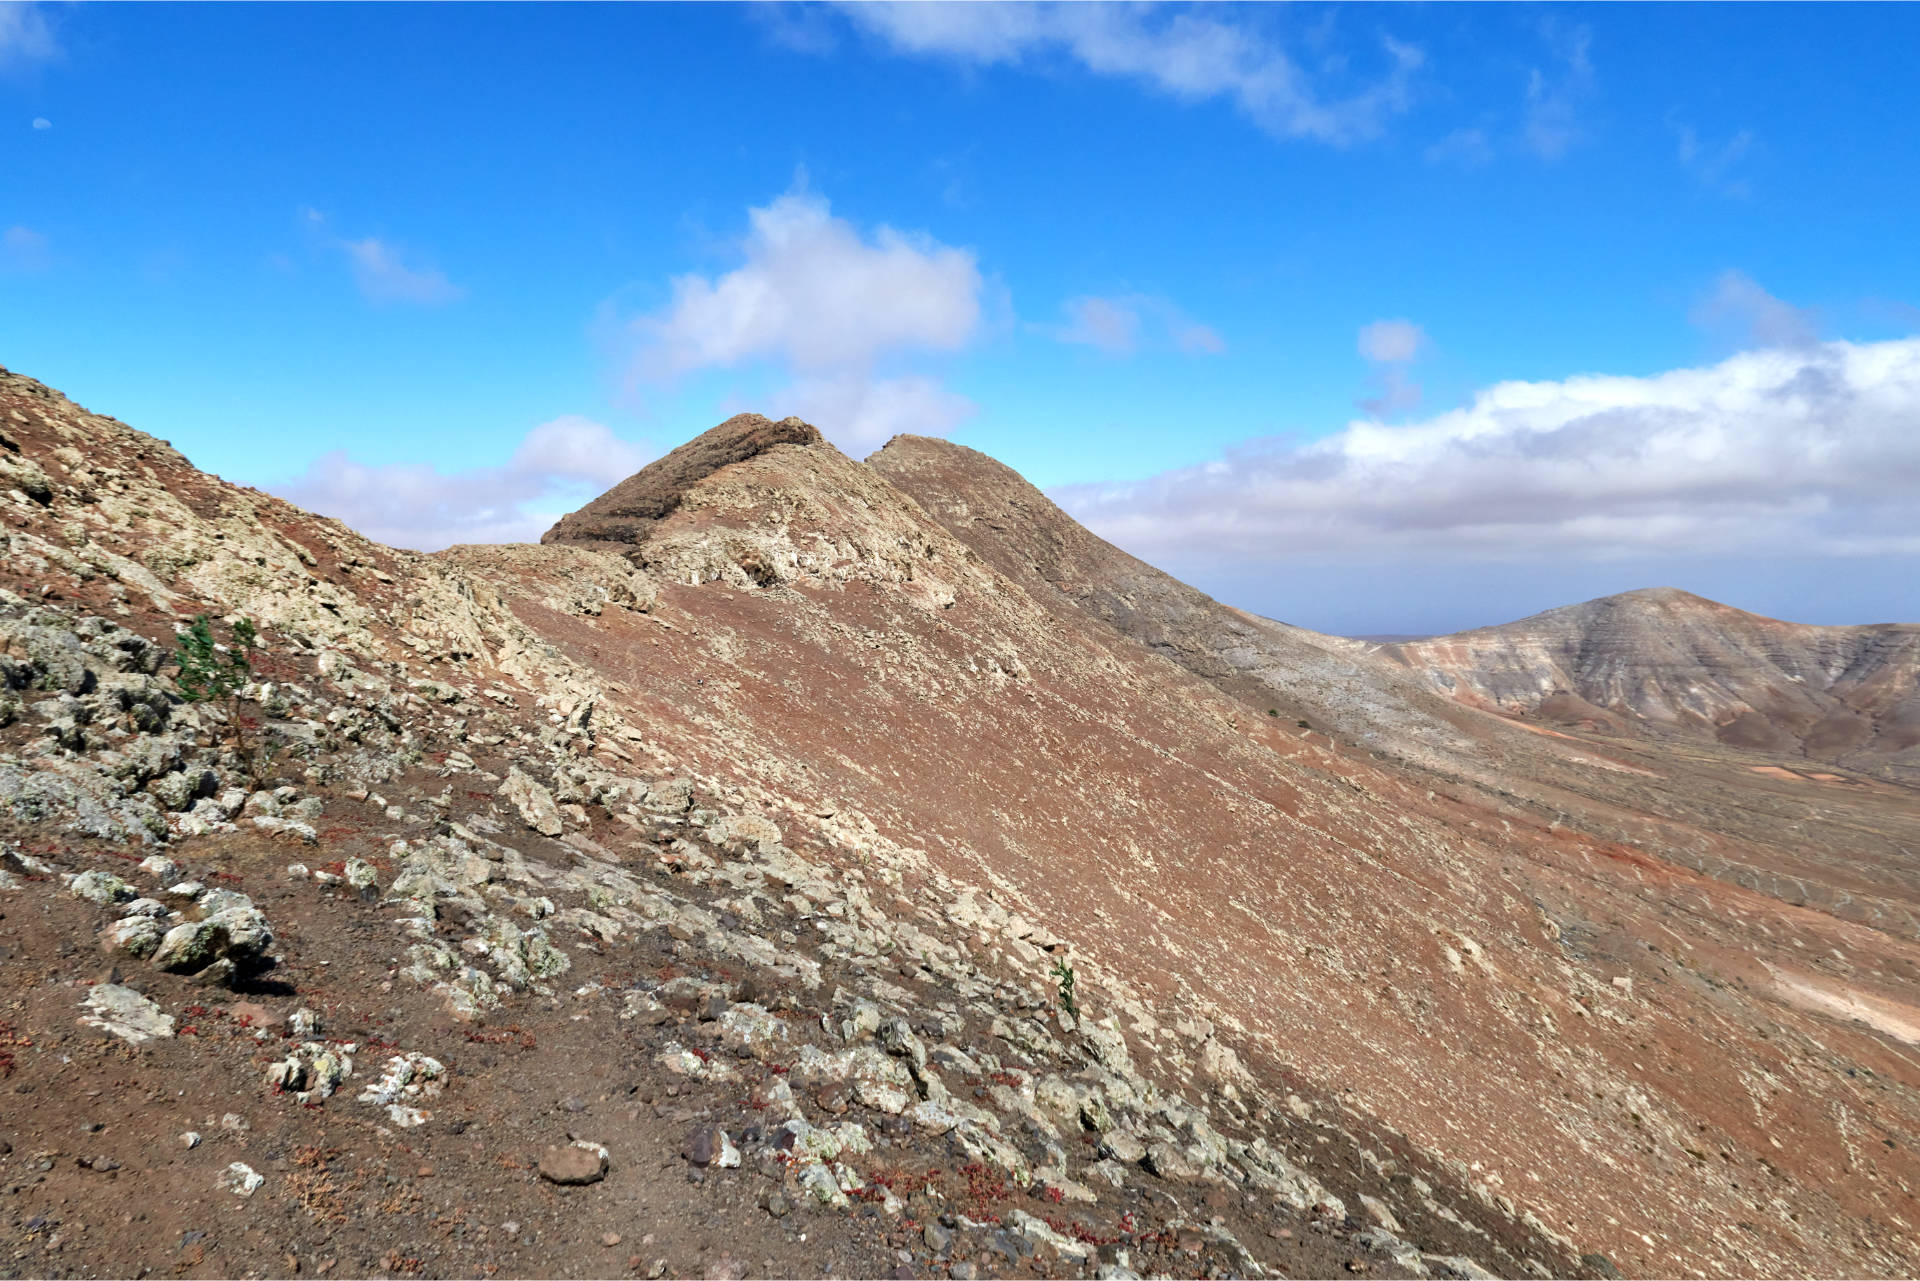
(801, 866)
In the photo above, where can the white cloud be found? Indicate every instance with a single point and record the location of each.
(1392, 342)
(383, 277)
(816, 294)
(1788, 451)
(1392, 345)
(1192, 55)
(1122, 324)
(1554, 98)
(417, 505)
(25, 35)
(830, 305)
(1740, 310)
(868, 412)
(42, 123)
(23, 249)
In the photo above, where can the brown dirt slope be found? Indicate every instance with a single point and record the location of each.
(1724, 812)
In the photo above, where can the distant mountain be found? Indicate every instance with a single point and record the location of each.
(1666, 662)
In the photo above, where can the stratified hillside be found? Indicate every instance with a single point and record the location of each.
(772, 840)
(1664, 661)
(1730, 815)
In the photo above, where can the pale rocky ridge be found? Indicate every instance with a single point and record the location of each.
(834, 796)
(1667, 662)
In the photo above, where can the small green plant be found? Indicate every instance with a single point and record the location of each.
(1304, 725)
(1273, 711)
(214, 673)
(1063, 974)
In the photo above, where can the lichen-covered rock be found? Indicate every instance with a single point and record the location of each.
(534, 802)
(135, 936)
(311, 1072)
(239, 935)
(101, 887)
(407, 1079)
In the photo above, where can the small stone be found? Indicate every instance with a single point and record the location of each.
(709, 1146)
(939, 1239)
(963, 1271)
(575, 1164)
(777, 1206)
(241, 1179)
(252, 1014)
(656, 1270)
(609, 1239)
(191, 1139)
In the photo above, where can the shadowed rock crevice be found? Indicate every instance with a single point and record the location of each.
(622, 517)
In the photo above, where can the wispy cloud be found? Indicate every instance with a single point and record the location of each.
(26, 35)
(1805, 451)
(384, 272)
(1122, 324)
(1713, 164)
(24, 249)
(1557, 92)
(384, 277)
(419, 506)
(1392, 346)
(42, 124)
(1741, 313)
(830, 305)
(1193, 55)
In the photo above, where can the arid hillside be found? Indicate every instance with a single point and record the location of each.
(818, 809)
(1666, 662)
(1836, 841)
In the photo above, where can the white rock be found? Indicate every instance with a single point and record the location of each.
(126, 1014)
(241, 1179)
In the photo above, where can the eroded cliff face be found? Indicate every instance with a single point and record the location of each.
(1298, 967)
(1666, 662)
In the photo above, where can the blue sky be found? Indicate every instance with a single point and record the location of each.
(1240, 286)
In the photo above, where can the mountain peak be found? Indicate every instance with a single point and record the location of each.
(625, 514)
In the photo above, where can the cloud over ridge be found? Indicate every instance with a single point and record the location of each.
(832, 307)
(1787, 450)
(419, 506)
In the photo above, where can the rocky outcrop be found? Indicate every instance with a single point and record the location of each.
(623, 515)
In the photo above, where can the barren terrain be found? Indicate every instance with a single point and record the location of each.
(749, 832)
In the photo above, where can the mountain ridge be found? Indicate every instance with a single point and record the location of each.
(799, 722)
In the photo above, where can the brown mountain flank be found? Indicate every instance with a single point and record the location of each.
(814, 800)
(1667, 662)
(1632, 791)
